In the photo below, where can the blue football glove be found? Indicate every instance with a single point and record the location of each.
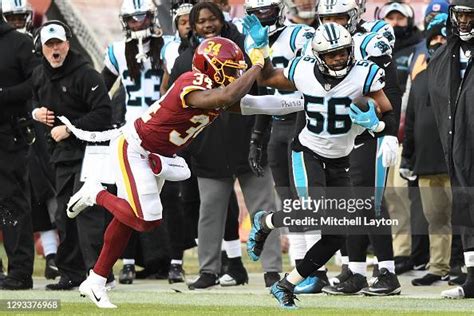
(257, 32)
(367, 119)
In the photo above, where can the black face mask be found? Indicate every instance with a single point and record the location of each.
(401, 31)
(432, 48)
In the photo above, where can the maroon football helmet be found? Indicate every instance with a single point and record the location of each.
(220, 59)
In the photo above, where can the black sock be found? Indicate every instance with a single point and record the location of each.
(470, 275)
(319, 254)
(235, 262)
(286, 284)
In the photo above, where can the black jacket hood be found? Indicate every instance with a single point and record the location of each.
(5, 27)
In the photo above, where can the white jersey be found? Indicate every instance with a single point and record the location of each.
(291, 40)
(169, 52)
(329, 131)
(141, 94)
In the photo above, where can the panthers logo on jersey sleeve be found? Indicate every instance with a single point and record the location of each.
(329, 131)
(368, 45)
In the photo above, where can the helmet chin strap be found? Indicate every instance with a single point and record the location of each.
(140, 35)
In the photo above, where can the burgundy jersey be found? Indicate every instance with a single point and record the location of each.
(170, 124)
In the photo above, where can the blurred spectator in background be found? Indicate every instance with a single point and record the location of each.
(423, 156)
(407, 35)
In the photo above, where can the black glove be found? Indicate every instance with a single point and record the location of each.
(255, 153)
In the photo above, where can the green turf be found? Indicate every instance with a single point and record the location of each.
(208, 303)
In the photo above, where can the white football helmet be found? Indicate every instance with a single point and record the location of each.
(340, 7)
(269, 12)
(305, 9)
(139, 10)
(330, 37)
(465, 31)
(18, 8)
(182, 9)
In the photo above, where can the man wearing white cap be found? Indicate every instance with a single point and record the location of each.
(401, 16)
(66, 84)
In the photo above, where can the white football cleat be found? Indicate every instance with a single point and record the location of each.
(456, 293)
(83, 198)
(96, 293)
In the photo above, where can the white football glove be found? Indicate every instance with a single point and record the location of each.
(388, 150)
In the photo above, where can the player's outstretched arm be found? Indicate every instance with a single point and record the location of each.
(224, 97)
(256, 42)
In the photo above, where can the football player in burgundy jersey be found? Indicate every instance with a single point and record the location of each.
(147, 148)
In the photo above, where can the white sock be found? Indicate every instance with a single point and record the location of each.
(268, 221)
(358, 267)
(345, 259)
(389, 265)
(175, 261)
(233, 248)
(128, 261)
(294, 277)
(469, 259)
(97, 279)
(49, 240)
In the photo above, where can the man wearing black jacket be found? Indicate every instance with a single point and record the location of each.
(65, 84)
(423, 157)
(16, 65)
(450, 85)
(219, 156)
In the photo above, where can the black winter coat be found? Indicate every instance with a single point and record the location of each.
(17, 62)
(452, 100)
(76, 91)
(422, 146)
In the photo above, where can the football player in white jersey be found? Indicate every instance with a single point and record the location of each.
(329, 80)
(287, 41)
(373, 41)
(136, 60)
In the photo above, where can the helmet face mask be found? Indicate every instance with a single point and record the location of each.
(462, 19)
(333, 48)
(348, 9)
(269, 12)
(139, 17)
(220, 59)
(18, 14)
(305, 9)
